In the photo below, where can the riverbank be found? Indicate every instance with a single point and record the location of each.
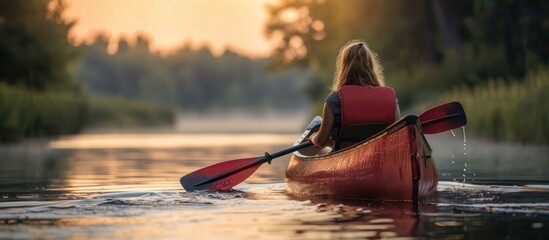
(504, 110)
(26, 113)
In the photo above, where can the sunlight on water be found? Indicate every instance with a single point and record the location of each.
(263, 211)
(119, 186)
(168, 140)
(98, 163)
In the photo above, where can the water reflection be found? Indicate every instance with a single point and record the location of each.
(500, 163)
(126, 141)
(98, 163)
(127, 186)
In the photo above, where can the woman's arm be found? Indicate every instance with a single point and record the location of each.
(322, 136)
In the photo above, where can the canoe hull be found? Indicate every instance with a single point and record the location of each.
(394, 165)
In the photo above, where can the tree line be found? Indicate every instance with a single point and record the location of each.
(474, 51)
(193, 80)
(51, 86)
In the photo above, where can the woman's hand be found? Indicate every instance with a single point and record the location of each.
(314, 140)
(320, 138)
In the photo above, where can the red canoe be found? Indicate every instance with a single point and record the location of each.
(394, 164)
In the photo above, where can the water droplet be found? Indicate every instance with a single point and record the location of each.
(452, 161)
(464, 152)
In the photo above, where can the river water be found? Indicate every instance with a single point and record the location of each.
(126, 186)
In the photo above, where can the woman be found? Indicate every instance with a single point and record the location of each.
(358, 97)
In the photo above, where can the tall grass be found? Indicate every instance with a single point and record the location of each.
(28, 113)
(513, 111)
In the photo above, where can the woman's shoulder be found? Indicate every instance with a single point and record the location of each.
(333, 97)
(332, 100)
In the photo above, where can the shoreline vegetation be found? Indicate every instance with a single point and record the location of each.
(508, 111)
(26, 113)
(453, 51)
(492, 56)
(108, 112)
(29, 113)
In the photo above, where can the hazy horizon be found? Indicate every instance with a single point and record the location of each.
(221, 25)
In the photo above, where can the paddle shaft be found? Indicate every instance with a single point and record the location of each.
(437, 119)
(260, 160)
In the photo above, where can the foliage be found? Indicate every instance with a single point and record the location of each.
(507, 111)
(193, 80)
(115, 112)
(428, 48)
(35, 50)
(31, 113)
(38, 96)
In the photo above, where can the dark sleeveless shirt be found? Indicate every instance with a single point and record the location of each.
(334, 104)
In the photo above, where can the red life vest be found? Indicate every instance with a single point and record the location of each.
(369, 106)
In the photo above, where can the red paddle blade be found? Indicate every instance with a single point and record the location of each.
(221, 176)
(443, 118)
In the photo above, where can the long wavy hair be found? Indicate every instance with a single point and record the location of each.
(356, 64)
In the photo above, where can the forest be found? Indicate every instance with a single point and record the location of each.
(192, 80)
(490, 55)
(50, 85)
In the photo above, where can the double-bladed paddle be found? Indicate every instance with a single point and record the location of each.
(225, 175)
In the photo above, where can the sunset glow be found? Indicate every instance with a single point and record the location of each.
(220, 24)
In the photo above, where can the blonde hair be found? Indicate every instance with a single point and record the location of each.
(356, 64)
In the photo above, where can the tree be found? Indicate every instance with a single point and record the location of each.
(35, 50)
(310, 33)
(426, 46)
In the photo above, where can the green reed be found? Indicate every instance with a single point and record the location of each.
(29, 113)
(513, 111)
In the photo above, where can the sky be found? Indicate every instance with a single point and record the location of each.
(237, 24)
